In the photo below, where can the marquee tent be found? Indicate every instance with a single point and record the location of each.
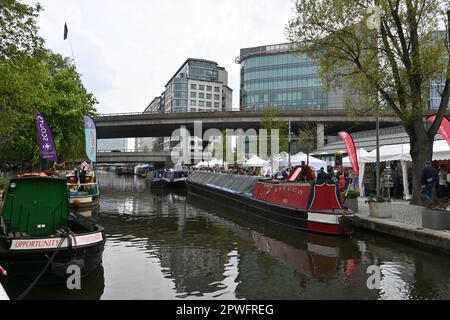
(297, 159)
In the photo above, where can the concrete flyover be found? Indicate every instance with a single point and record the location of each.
(163, 124)
(132, 157)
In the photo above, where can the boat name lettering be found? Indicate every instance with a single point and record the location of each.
(88, 239)
(47, 243)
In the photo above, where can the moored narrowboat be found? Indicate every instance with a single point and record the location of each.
(82, 187)
(314, 207)
(38, 232)
(175, 179)
(155, 179)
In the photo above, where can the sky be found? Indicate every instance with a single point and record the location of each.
(127, 51)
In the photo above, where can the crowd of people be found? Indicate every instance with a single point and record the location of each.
(435, 186)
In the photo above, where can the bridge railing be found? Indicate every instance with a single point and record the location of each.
(259, 111)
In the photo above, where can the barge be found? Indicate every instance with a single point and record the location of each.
(314, 207)
(38, 232)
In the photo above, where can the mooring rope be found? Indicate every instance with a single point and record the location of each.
(50, 261)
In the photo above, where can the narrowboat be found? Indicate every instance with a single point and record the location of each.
(39, 234)
(82, 188)
(155, 179)
(315, 207)
(175, 179)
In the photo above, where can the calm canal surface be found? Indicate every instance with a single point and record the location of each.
(168, 245)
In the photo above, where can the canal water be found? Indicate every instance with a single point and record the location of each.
(169, 245)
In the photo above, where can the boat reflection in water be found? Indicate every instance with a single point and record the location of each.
(312, 255)
(51, 287)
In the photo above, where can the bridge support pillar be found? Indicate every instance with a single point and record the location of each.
(320, 133)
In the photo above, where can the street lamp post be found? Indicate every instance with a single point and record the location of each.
(378, 152)
(289, 145)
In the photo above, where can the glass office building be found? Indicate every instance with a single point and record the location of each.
(273, 76)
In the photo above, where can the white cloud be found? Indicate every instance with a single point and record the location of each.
(128, 50)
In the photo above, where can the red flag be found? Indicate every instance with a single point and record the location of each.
(444, 128)
(350, 150)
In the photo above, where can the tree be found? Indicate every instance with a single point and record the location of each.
(388, 52)
(268, 123)
(307, 139)
(156, 147)
(33, 78)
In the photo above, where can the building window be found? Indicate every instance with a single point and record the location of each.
(216, 89)
(208, 104)
(217, 97)
(216, 105)
(209, 96)
(193, 95)
(201, 103)
(201, 95)
(201, 87)
(193, 86)
(193, 103)
(209, 88)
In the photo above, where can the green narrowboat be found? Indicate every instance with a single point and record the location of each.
(38, 231)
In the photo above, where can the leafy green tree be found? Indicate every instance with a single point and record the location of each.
(33, 78)
(156, 147)
(388, 52)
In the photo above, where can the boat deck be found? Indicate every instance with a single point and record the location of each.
(3, 295)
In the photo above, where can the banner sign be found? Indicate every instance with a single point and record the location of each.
(91, 138)
(350, 150)
(47, 149)
(444, 128)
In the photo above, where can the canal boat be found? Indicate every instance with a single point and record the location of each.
(155, 178)
(314, 207)
(175, 179)
(82, 187)
(38, 234)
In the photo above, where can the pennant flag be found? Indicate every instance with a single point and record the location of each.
(47, 147)
(91, 138)
(444, 128)
(353, 157)
(66, 31)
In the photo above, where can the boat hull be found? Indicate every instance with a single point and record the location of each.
(294, 218)
(84, 201)
(30, 255)
(175, 183)
(155, 183)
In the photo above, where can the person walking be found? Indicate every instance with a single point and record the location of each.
(428, 180)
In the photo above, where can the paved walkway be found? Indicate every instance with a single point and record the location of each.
(406, 223)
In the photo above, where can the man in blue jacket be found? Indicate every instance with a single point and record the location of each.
(428, 180)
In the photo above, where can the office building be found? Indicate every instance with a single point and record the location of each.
(274, 76)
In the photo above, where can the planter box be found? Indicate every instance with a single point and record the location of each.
(352, 204)
(435, 219)
(380, 209)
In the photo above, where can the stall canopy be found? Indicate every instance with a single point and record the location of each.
(297, 159)
(255, 161)
(362, 157)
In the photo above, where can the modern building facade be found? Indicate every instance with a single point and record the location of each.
(274, 76)
(198, 85)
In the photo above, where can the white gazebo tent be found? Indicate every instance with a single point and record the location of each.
(255, 161)
(297, 159)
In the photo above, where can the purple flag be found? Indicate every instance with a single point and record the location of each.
(47, 147)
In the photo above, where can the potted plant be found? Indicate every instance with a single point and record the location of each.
(351, 200)
(379, 207)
